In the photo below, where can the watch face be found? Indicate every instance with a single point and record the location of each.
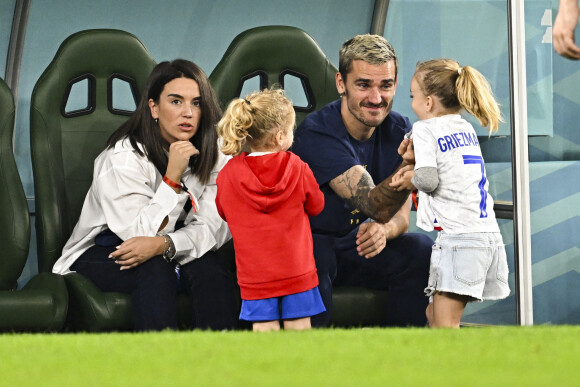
(171, 251)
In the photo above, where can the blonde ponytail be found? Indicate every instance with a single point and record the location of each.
(475, 96)
(460, 88)
(233, 127)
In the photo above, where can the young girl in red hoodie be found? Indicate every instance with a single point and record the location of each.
(266, 196)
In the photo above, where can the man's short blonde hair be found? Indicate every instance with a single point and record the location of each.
(373, 49)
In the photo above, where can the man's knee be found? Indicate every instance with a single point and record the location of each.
(417, 241)
(423, 241)
(418, 246)
(324, 257)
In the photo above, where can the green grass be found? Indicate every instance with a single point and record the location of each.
(495, 356)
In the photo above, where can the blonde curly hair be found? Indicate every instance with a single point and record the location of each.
(254, 120)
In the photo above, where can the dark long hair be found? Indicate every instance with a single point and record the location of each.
(142, 128)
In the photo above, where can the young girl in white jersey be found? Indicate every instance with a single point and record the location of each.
(266, 197)
(468, 262)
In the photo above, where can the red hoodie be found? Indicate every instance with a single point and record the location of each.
(266, 201)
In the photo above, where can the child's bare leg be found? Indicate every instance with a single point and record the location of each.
(266, 326)
(447, 309)
(297, 324)
(429, 313)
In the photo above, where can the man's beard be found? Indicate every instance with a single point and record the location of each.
(359, 114)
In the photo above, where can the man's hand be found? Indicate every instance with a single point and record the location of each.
(563, 30)
(406, 151)
(371, 239)
(137, 250)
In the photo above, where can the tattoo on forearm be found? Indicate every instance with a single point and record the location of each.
(359, 193)
(387, 201)
(378, 202)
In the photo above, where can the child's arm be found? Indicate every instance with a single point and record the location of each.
(218, 198)
(402, 179)
(314, 197)
(425, 179)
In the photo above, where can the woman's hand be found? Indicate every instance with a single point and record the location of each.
(179, 154)
(137, 250)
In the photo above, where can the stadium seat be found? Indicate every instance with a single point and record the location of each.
(41, 305)
(76, 104)
(272, 53)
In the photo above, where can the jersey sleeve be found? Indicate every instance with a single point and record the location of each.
(425, 146)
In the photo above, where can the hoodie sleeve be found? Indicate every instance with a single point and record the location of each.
(219, 182)
(314, 203)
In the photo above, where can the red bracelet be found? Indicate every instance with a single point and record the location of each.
(171, 183)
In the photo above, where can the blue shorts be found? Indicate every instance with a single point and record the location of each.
(298, 305)
(471, 264)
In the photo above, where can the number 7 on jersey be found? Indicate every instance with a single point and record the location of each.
(472, 159)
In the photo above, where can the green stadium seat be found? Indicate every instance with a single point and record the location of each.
(41, 305)
(69, 128)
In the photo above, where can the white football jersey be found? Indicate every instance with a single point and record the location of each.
(461, 202)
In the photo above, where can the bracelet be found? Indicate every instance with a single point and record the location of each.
(169, 249)
(171, 183)
(182, 186)
(165, 245)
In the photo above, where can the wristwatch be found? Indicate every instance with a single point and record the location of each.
(169, 251)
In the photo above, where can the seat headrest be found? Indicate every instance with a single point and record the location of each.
(271, 52)
(97, 54)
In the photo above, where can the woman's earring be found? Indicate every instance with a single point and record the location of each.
(156, 120)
